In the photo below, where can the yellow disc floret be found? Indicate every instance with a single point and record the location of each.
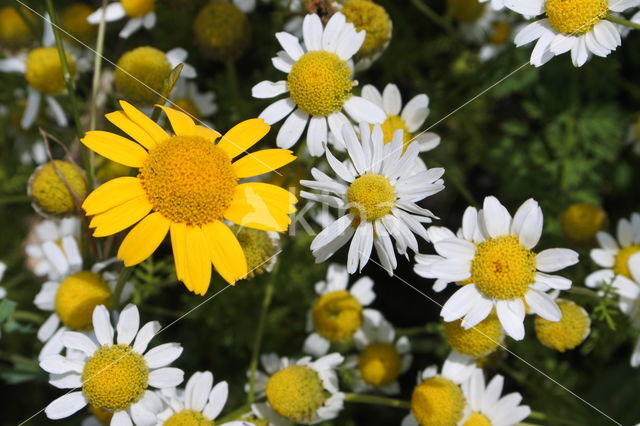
(621, 263)
(77, 295)
(49, 190)
(258, 247)
(379, 364)
(503, 268)
(437, 402)
(189, 180)
(320, 83)
(222, 31)
(477, 419)
(14, 31)
(371, 197)
(500, 32)
(467, 10)
(114, 377)
(337, 316)
(575, 17)
(141, 74)
(296, 392)
(138, 8)
(569, 332)
(188, 418)
(393, 123)
(581, 222)
(74, 21)
(480, 340)
(103, 416)
(44, 70)
(372, 18)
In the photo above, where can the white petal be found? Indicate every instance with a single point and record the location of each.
(317, 136)
(13, 65)
(603, 258)
(196, 393)
(269, 89)
(529, 33)
(166, 377)
(290, 44)
(455, 248)
(599, 278)
(316, 345)
(49, 327)
(292, 129)
(552, 260)
(460, 303)
(607, 242)
(392, 100)
(511, 315)
(65, 406)
(128, 324)
(554, 281)
(452, 269)
(372, 94)
(312, 32)
(31, 110)
(146, 333)
(112, 12)
(337, 121)
(217, 400)
(497, 219)
(526, 8)
(543, 305)
(277, 111)
(163, 355)
(133, 25)
(76, 340)
(102, 325)
(121, 418)
(58, 364)
(141, 416)
(363, 291)
(362, 110)
(349, 42)
(482, 309)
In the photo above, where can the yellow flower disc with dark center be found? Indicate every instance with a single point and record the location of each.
(188, 107)
(503, 268)
(258, 249)
(569, 332)
(296, 392)
(50, 192)
(222, 31)
(393, 123)
(115, 377)
(103, 416)
(379, 364)
(138, 8)
(188, 418)
(621, 263)
(44, 70)
(372, 18)
(477, 419)
(478, 341)
(371, 197)
(189, 180)
(77, 295)
(581, 221)
(437, 402)
(575, 17)
(337, 316)
(320, 83)
(141, 74)
(467, 10)
(14, 32)
(74, 21)
(500, 32)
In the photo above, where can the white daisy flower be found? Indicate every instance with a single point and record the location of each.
(501, 271)
(319, 84)
(382, 358)
(52, 248)
(188, 98)
(486, 406)
(380, 189)
(302, 391)
(409, 119)
(579, 27)
(141, 13)
(247, 6)
(629, 303)
(113, 375)
(495, 4)
(338, 313)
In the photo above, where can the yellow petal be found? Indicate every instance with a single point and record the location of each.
(243, 136)
(260, 162)
(120, 217)
(116, 148)
(182, 124)
(198, 260)
(112, 194)
(143, 239)
(124, 123)
(226, 253)
(261, 206)
(207, 133)
(150, 126)
(179, 246)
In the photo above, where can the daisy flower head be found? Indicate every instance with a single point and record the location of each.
(629, 303)
(56, 188)
(141, 13)
(582, 221)
(476, 342)
(114, 375)
(378, 189)
(501, 271)
(568, 333)
(260, 248)
(495, 4)
(319, 84)
(52, 248)
(186, 185)
(338, 313)
(578, 26)
(222, 30)
(302, 391)
(14, 31)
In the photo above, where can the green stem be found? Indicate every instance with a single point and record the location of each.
(376, 400)
(232, 81)
(583, 292)
(433, 16)
(19, 359)
(97, 69)
(15, 199)
(122, 280)
(235, 414)
(622, 21)
(27, 316)
(28, 22)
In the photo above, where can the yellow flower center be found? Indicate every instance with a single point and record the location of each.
(258, 249)
(296, 392)
(74, 21)
(114, 377)
(478, 341)
(437, 402)
(77, 295)
(141, 74)
(372, 18)
(188, 418)
(477, 419)
(222, 31)
(44, 70)
(500, 32)
(14, 32)
(320, 82)
(138, 8)
(337, 316)
(569, 332)
(467, 10)
(379, 364)
(393, 123)
(189, 180)
(575, 17)
(51, 193)
(503, 268)
(371, 197)
(581, 221)
(188, 107)
(621, 264)
(103, 416)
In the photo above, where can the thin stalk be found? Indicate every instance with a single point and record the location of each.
(122, 280)
(97, 69)
(235, 414)
(15, 199)
(584, 292)
(232, 80)
(433, 16)
(27, 316)
(622, 21)
(376, 400)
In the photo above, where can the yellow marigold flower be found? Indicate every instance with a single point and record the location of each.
(187, 184)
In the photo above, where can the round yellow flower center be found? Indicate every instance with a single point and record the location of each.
(103, 416)
(258, 249)
(189, 180)
(379, 364)
(296, 392)
(337, 316)
(575, 17)
(44, 70)
(114, 377)
(320, 83)
(371, 197)
(467, 10)
(480, 340)
(188, 418)
(569, 332)
(437, 402)
(372, 18)
(14, 32)
(77, 295)
(581, 221)
(222, 31)
(138, 8)
(188, 107)
(477, 419)
(393, 123)
(50, 191)
(254, 421)
(141, 74)
(74, 21)
(503, 268)
(621, 264)
(500, 32)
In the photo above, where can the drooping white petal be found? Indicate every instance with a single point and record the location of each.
(555, 259)
(511, 315)
(66, 405)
